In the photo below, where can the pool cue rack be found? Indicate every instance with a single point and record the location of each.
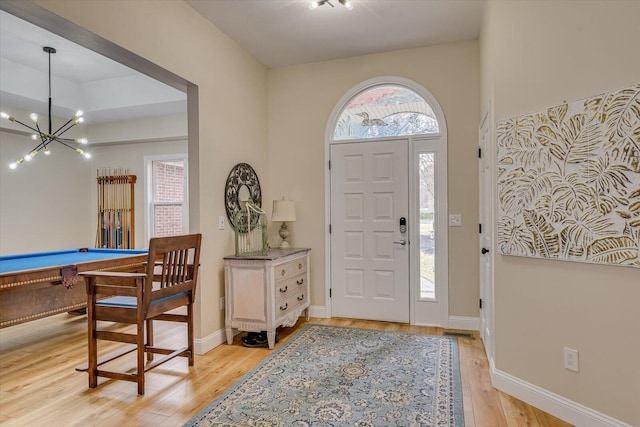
(116, 209)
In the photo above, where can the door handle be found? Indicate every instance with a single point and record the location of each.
(401, 242)
(484, 251)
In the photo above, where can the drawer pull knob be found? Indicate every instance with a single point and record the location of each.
(300, 281)
(283, 272)
(285, 307)
(285, 289)
(301, 297)
(300, 266)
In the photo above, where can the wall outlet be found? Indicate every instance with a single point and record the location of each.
(220, 223)
(455, 220)
(221, 303)
(571, 359)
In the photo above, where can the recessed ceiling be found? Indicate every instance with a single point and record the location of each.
(285, 32)
(80, 79)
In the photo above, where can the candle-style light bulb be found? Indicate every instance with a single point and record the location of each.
(16, 164)
(82, 141)
(314, 5)
(33, 117)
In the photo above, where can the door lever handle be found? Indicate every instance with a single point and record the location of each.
(401, 242)
(484, 251)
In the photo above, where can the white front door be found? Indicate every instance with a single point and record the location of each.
(369, 252)
(486, 243)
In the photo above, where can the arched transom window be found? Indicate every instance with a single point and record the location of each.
(385, 110)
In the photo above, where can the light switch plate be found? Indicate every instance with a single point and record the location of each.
(455, 220)
(220, 223)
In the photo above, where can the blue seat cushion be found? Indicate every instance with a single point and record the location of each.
(131, 302)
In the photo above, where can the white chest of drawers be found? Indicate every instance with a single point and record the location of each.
(264, 292)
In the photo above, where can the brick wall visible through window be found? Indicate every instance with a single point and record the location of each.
(168, 197)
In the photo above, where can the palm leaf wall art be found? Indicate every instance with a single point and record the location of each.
(569, 181)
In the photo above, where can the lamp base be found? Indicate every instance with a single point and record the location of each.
(284, 234)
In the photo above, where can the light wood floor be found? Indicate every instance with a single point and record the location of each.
(40, 387)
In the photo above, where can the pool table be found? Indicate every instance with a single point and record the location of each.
(42, 284)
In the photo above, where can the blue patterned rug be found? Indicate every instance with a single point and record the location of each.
(338, 376)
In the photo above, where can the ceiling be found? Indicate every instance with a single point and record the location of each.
(80, 78)
(276, 32)
(286, 32)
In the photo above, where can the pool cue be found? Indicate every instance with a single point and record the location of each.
(122, 219)
(110, 216)
(126, 188)
(98, 202)
(102, 213)
(125, 212)
(132, 217)
(118, 216)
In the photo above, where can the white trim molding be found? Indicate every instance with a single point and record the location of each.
(464, 323)
(219, 337)
(556, 405)
(204, 345)
(319, 311)
(416, 304)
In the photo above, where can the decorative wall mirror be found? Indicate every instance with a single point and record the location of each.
(242, 185)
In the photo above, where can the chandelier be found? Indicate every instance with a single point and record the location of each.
(315, 4)
(46, 138)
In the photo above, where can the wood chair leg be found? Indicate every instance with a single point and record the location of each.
(91, 334)
(149, 338)
(140, 353)
(190, 336)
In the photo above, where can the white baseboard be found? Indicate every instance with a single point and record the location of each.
(203, 345)
(464, 323)
(318, 311)
(554, 404)
(455, 322)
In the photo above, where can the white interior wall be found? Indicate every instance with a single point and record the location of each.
(298, 116)
(231, 126)
(50, 203)
(45, 204)
(131, 156)
(584, 48)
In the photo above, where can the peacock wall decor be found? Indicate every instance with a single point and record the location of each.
(569, 181)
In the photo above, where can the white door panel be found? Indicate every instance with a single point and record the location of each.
(369, 194)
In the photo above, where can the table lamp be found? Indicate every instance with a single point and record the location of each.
(285, 211)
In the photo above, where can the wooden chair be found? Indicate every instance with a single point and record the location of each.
(140, 298)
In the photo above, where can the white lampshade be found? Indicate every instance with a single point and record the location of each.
(283, 210)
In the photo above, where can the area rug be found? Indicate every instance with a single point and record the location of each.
(339, 376)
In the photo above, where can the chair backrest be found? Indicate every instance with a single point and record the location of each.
(173, 264)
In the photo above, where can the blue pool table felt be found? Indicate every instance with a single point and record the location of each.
(11, 263)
